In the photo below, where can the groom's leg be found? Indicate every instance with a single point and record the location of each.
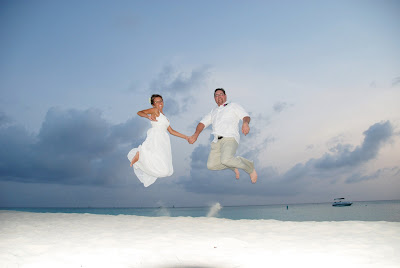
(214, 158)
(228, 158)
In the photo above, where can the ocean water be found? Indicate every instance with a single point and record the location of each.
(358, 211)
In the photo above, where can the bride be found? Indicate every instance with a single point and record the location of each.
(153, 159)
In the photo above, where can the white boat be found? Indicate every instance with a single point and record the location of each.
(339, 202)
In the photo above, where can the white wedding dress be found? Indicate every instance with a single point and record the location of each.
(155, 157)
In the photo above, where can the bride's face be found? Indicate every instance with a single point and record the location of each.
(158, 103)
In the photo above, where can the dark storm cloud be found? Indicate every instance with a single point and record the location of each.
(176, 87)
(75, 131)
(300, 176)
(72, 147)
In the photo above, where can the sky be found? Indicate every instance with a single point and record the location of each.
(320, 80)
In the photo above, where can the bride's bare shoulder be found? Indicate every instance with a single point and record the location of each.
(156, 112)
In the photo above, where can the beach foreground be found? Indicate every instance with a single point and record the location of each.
(86, 240)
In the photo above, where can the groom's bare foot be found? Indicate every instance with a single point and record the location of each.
(237, 173)
(253, 176)
(135, 159)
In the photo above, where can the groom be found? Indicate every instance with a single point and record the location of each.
(225, 120)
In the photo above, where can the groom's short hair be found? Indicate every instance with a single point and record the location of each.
(223, 90)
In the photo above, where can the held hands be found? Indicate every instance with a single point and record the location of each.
(245, 128)
(192, 139)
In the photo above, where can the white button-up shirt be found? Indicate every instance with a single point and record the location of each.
(225, 120)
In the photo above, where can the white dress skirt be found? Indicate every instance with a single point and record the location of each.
(155, 157)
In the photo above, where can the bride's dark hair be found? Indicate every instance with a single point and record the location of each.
(153, 97)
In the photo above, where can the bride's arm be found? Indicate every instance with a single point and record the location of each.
(176, 133)
(150, 114)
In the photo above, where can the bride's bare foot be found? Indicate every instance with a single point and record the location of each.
(253, 176)
(135, 159)
(237, 173)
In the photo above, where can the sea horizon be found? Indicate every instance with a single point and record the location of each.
(203, 206)
(379, 210)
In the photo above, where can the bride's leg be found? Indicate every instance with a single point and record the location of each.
(135, 159)
(237, 173)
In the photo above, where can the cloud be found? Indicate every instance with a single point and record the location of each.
(75, 147)
(396, 81)
(375, 136)
(340, 160)
(72, 147)
(330, 166)
(254, 143)
(176, 87)
(4, 119)
(280, 106)
(173, 82)
(310, 147)
(383, 172)
(334, 141)
(223, 182)
(75, 131)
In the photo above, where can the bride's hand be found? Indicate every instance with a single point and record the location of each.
(152, 117)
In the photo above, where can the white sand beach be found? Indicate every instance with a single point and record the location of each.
(86, 240)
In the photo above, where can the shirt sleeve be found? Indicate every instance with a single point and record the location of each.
(206, 121)
(240, 111)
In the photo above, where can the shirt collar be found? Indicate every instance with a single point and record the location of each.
(223, 105)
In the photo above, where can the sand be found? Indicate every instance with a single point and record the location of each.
(86, 240)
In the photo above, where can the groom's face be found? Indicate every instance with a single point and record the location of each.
(220, 97)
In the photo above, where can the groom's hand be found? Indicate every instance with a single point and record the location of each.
(192, 139)
(245, 128)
